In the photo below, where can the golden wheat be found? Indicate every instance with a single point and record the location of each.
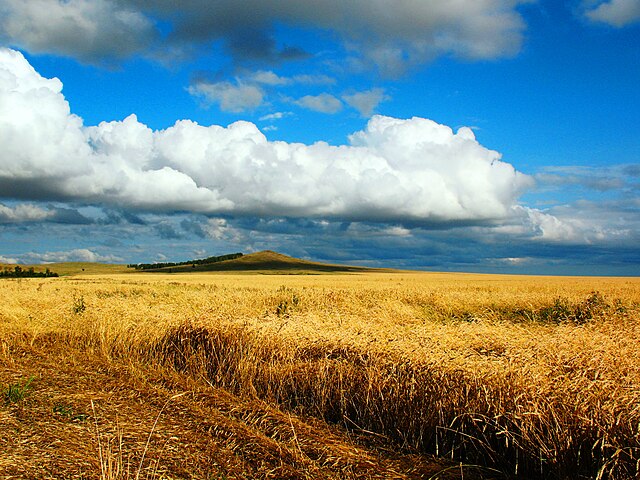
(536, 375)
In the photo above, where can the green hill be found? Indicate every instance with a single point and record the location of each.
(266, 261)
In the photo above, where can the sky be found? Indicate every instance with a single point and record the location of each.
(498, 136)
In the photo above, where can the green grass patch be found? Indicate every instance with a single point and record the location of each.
(16, 392)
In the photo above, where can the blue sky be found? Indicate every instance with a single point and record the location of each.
(485, 135)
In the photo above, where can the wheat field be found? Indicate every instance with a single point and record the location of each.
(532, 377)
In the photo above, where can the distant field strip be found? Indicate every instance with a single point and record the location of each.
(528, 375)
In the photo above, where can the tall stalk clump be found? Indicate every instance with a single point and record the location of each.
(492, 419)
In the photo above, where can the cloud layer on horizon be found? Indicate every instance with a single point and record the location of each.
(516, 246)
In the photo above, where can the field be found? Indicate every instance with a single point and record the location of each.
(372, 375)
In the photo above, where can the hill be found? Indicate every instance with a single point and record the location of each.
(266, 261)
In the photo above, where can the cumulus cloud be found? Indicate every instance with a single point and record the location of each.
(230, 97)
(324, 103)
(212, 228)
(394, 169)
(365, 102)
(581, 223)
(219, 229)
(550, 228)
(34, 116)
(617, 13)
(91, 30)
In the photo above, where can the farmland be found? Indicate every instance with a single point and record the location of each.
(368, 375)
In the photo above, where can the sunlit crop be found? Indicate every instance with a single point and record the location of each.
(535, 375)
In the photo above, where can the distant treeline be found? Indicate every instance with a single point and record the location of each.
(19, 272)
(204, 261)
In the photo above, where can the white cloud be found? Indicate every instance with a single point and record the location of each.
(230, 97)
(582, 223)
(551, 228)
(324, 103)
(34, 116)
(219, 229)
(365, 102)
(90, 30)
(75, 255)
(514, 260)
(248, 92)
(24, 213)
(275, 116)
(360, 230)
(269, 78)
(393, 170)
(8, 260)
(397, 231)
(617, 13)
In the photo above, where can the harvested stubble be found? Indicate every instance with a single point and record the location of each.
(539, 377)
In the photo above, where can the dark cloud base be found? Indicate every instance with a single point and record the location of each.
(149, 237)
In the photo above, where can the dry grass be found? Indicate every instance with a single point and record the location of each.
(531, 375)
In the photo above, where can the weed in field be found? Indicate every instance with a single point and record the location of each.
(66, 411)
(563, 310)
(286, 305)
(559, 312)
(63, 410)
(16, 392)
(593, 306)
(79, 306)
